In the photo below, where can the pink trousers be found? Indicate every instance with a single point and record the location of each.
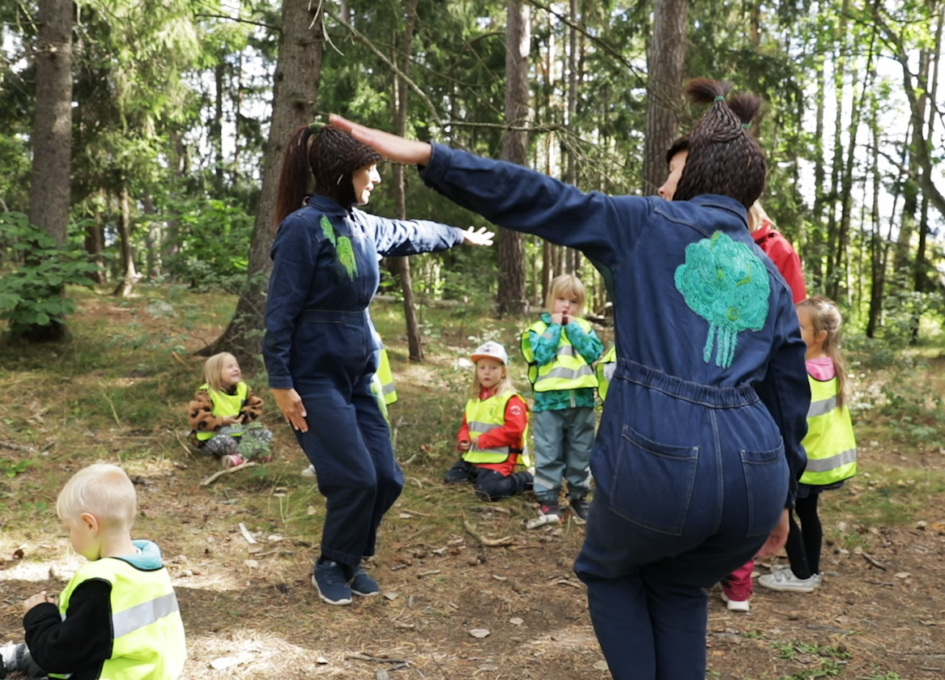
(737, 586)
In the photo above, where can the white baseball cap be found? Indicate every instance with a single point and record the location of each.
(492, 350)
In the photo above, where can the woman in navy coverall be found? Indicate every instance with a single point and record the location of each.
(320, 346)
(698, 452)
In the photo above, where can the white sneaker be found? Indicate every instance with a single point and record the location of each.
(786, 581)
(309, 471)
(735, 605)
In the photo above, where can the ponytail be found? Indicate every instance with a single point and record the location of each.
(295, 178)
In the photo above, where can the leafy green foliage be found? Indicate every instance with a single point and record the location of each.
(11, 468)
(33, 294)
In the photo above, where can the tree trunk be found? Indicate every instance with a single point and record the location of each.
(401, 265)
(294, 95)
(877, 268)
(665, 60)
(130, 275)
(152, 239)
(815, 256)
(52, 128)
(216, 125)
(839, 66)
(512, 296)
(95, 244)
(546, 267)
(902, 261)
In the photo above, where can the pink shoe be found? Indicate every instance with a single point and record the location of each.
(232, 460)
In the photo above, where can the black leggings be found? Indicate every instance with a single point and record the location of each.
(804, 542)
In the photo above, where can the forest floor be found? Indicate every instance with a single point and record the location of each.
(117, 392)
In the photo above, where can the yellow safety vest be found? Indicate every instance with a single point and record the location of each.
(148, 632)
(225, 405)
(386, 376)
(485, 416)
(568, 371)
(605, 371)
(830, 443)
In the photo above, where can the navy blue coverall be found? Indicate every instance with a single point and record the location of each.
(320, 341)
(699, 448)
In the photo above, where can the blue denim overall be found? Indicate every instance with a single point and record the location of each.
(699, 448)
(320, 341)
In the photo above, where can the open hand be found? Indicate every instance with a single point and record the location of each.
(777, 538)
(390, 146)
(290, 403)
(478, 237)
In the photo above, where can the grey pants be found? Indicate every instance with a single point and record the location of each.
(226, 444)
(563, 442)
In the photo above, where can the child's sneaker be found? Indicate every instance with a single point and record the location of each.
(309, 471)
(11, 658)
(548, 513)
(362, 584)
(580, 507)
(735, 605)
(330, 581)
(232, 460)
(785, 581)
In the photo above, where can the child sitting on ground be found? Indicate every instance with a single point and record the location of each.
(492, 436)
(118, 617)
(560, 349)
(223, 412)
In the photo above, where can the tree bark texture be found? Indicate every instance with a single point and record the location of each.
(52, 129)
(400, 266)
(512, 295)
(294, 96)
(665, 62)
(130, 275)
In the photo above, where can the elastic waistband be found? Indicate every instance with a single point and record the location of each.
(333, 316)
(705, 395)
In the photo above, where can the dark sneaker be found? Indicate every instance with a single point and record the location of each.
(580, 507)
(330, 581)
(362, 584)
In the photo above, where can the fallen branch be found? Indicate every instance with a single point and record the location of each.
(566, 582)
(216, 475)
(376, 659)
(490, 542)
(872, 560)
(248, 536)
(17, 447)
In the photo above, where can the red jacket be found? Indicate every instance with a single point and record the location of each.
(785, 259)
(510, 434)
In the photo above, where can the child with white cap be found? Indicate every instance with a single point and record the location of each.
(492, 436)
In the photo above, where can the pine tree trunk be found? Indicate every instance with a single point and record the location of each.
(294, 95)
(511, 295)
(216, 124)
(52, 129)
(130, 275)
(401, 265)
(837, 163)
(665, 60)
(815, 255)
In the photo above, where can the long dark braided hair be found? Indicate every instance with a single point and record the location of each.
(328, 154)
(723, 157)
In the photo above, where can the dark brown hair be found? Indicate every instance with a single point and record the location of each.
(681, 144)
(723, 158)
(331, 156)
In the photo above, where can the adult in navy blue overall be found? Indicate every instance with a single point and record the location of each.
(320, 346)
(698, 451)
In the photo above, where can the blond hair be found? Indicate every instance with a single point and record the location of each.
(102, 490)
(213, 370)
(504, 384)
(565, 286)
(825, 317)
(757, 217)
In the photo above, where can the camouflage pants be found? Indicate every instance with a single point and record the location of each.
(226, 444)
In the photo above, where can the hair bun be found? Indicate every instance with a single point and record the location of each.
(706, 90)
(744, 105)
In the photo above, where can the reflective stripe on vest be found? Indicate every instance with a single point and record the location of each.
(386, 375)
(830, 442)
(485, 416)
(605, 371)
(569, 370)
(149, 641)
(225, 405)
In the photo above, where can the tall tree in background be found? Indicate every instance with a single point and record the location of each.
(401, 265)
(294, 97)
(52, 134)
(511, 295)
(665, 60)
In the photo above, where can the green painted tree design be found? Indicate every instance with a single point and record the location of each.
(727, 285)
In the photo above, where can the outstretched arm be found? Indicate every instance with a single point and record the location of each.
(398, 238)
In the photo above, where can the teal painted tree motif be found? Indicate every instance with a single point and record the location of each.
(726, 284)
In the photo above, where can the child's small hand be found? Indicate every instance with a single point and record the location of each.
(464, 446)
(230, 420)
(565, 319)
(38, 598)
(557, 318)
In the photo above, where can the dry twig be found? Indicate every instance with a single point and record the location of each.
(216, 475)
(490, 542)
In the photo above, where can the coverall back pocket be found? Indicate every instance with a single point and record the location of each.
(766, 483)
(653, 482)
